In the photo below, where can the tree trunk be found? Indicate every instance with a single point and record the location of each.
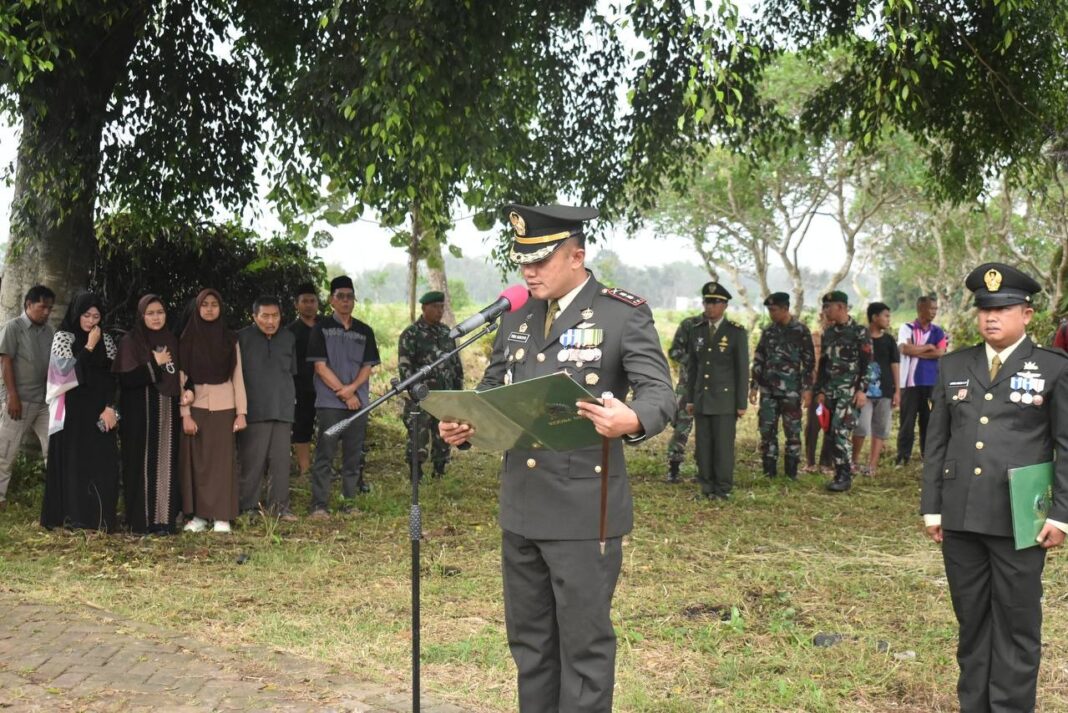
(63, 115)
(435, 275)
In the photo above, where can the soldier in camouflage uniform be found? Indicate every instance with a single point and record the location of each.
(682, 422)
(420, 344)
(782, 376)
(842, 381)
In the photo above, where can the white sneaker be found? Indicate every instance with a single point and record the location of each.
(221, 526)
(197, 524)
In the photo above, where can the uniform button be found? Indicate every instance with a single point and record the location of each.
(989, 397)
(725, 388)
(541, 357)
(706, 376)
(531, 462)
(978, 471)
(984, 420)
(596, 469)
(979, 445)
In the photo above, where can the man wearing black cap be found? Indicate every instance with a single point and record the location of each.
(999, 405)
(782, 377)
(421, 344)
(716, 393)
(558, 584)
(842, 381)
(343, 351)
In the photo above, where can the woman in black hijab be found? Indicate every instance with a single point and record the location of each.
(82, 477)
(151, 425)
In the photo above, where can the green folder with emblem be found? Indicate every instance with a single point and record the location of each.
(1030, 496)
(537, 413)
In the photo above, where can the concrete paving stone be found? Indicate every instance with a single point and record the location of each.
(49, 670)
(69, 679)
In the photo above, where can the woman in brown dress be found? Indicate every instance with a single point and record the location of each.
(213, 408)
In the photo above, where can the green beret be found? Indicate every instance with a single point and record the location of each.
(432, 297)
(836, 296)
(777, 298)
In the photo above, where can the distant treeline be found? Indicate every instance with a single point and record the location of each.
(476, 281)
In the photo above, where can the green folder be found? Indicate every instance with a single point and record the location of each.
(1030, 495)
(538, 413)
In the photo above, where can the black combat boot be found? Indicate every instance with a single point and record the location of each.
(843, 480)
(673, 473)
(792, 463)
(770, 466)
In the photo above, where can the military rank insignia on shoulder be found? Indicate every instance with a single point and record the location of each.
(624, 296)
(734, 324)
(1052, 350)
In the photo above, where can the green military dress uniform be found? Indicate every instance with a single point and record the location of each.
(843, 370)
(682, 423)
(980, 427)
(782, 373)
(718, 375)
(558, 586)
(420, 344)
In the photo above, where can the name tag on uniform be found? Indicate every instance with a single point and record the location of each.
(518, 337)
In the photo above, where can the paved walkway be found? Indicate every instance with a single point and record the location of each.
(90, 660)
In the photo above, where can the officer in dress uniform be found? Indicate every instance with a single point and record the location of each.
(558, 585)
(716, 392)
(999, 405)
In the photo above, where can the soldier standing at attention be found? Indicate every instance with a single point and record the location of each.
(718, 372)
(842, 382)
(782, 376)
(420, 344)
(683, 422)
(998, 405)
(558, 585)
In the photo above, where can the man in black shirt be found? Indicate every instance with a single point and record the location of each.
(883, 394)
(306, 302)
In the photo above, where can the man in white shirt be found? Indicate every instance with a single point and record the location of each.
(1000, 405)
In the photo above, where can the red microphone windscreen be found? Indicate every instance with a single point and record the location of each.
(516, 295)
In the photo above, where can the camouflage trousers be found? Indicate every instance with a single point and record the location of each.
(843, 420)
(682, 425)
(772, 408)
(428, 433)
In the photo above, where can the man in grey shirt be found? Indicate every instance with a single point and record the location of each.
(268, 363)
(24, 349)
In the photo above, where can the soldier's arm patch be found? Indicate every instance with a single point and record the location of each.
(625, 297)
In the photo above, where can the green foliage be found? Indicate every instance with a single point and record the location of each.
(980, 82)
(132, 261)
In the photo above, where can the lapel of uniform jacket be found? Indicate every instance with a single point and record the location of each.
(573, 314)
(980, 369)
(536, 324)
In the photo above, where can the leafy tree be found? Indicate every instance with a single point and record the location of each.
(177, 263)
(980, 83)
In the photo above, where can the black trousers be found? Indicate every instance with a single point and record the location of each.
(997, 593)
(557, 610)
(915, 406)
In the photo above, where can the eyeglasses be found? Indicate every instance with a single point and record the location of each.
(345, 296)
(714, 301)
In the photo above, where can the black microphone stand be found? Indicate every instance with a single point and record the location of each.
(417, 391)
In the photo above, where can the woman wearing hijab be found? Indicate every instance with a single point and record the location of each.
(149, 429)
(82, 477)
(213, 408)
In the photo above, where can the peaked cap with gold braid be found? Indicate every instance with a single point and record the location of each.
(996, 284)
(539, 230)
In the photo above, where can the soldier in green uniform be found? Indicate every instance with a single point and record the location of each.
(998, 405)
(420, 344)
(842, 381)
(683, 422)
(782, 377)
(718, 372)
(558, 584)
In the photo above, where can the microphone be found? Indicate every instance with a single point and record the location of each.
(510, 300)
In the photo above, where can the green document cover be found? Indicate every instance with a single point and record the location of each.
(1030, 494)
(539, 413)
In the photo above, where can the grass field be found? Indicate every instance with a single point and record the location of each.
(716, 608)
